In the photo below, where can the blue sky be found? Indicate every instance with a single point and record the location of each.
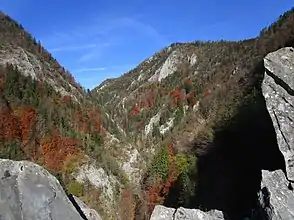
(97, 39)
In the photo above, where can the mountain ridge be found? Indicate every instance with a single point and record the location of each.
(48, 118)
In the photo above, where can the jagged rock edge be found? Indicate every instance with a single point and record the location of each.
(290, 91)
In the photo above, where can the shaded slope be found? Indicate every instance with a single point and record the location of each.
(236, 129)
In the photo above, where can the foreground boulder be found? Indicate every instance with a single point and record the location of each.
(278, 91)
(276, 199)
(160, 213)
(28, 192)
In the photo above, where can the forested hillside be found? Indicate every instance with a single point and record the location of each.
(47, 117)
(177, 101)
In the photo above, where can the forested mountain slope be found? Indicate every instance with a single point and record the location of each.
(48, 118)
(175, 103)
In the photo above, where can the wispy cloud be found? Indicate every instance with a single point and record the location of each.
(114, 29)
(92, 77)
(94, 53)
(72, 48)
(89, 69)
(95, 43)
(88, 56)
(142, 27)
(115, 68)
(119, 31)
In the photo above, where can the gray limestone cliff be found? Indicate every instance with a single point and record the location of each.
(276, 196)
(29, 192)
(278, 91)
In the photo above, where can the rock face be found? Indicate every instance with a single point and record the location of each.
(31, 65)
(161, 213)
(28, 192)
(91, 214)
(278, 90)
(98, 178)
(275, 197)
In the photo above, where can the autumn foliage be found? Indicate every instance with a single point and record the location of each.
(66, 99)
(146, 102)
(9, 126)
(135, 111)
(28, 125)
(56, 149)
(2, 81)
(191, 99)
(154, 196)
(157, 192)
(150, 100)
(177, 97)
(94, 115)
(127, 205)
(89, 121)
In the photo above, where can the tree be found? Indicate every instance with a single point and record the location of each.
(127, 205)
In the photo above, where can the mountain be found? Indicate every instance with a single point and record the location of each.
(183, 78)
(188, 100)
(271, 162)
(48, 118)
(186, 127)
(19, 48)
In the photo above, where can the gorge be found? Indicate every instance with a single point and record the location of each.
(200, 130)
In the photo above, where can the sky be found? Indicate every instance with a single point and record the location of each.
(100, 39)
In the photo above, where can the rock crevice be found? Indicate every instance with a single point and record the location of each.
(280, 82)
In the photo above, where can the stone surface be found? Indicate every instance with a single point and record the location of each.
(28, 192)
(278, 89)
(98, 178)
(91, 214)
(31, 65)
(276, 199)
(162, 213)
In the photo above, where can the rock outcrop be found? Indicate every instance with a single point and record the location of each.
(91, 214)
(278, 91)
(28, 192)
(31, 65)
(162, 213)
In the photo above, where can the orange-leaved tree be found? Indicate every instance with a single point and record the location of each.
(159, 189)
(56, 149)
(127, 205)
(9, 126)
(27, 117)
